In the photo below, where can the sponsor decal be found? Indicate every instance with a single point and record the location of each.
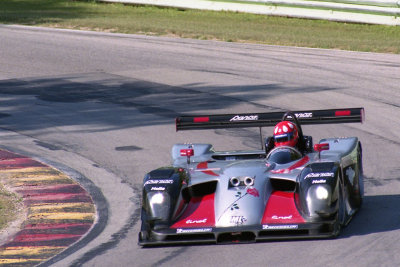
(196, 221)
(234, 205)
(199, 230)
(276, 217)
(320, 181)
(279, 227)
(159, 188)
(252, 191)
(245, 118)
(319, 175)
(238, 220)
(304, 115)
(164, 181)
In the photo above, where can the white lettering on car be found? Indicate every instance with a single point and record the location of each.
(159, 182)
(279, 227)
(321, 181)
(304, 115)
(179, 230)
(158, 188)
(319, 175)
(276, 217)
(245, 118)
(196, 221)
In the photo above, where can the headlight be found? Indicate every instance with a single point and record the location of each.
(319, 201)
(159, 204)
(321, 192)
(157, 198)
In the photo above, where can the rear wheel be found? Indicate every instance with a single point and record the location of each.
(360, 175)
(358, 187)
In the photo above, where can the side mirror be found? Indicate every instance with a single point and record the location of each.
(189, 152)
(321, 147)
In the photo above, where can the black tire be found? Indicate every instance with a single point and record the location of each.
(342, 206)
(360, 184)
(341, 213)
(358, 187)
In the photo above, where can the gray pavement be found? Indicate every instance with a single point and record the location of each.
(104, 105)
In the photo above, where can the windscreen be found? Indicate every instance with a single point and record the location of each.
(284, 155)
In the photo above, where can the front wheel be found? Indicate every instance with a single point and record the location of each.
(341, 213)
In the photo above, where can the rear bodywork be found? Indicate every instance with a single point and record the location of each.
(247, 196)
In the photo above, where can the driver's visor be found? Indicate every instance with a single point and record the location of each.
(283, 137)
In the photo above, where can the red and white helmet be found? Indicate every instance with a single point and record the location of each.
(286, 134)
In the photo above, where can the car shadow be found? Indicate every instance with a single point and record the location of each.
(379, 213)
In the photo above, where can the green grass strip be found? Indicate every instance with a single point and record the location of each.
(197, 24)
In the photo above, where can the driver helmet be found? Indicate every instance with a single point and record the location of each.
(286, 134)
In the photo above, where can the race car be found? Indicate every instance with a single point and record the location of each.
(282, 192)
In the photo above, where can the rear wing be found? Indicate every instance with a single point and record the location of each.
(245, 120)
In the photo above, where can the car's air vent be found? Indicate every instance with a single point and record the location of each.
(202, 189)
(283, 185)
(236, 237)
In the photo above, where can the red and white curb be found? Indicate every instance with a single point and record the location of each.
(59, 210)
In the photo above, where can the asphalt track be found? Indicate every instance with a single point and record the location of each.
(103, 106)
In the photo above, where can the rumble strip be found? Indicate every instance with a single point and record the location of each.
(59, 210)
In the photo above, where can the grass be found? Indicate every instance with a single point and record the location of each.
(9, 205)
(207, 25)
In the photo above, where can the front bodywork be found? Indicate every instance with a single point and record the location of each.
(244, 196)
